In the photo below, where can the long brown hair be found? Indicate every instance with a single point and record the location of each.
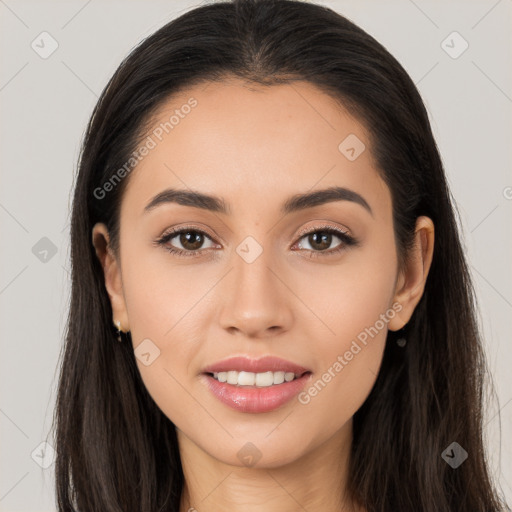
(116, 450)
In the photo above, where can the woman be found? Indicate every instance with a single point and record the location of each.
(254, 218)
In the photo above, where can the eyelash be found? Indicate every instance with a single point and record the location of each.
(346, 239)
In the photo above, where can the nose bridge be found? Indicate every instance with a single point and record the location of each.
(255, 298)
(253, 266)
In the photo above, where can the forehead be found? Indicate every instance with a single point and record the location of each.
(249, 143)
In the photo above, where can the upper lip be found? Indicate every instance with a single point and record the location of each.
(264, 364)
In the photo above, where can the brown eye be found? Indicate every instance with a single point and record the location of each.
(190, 240)
(321, 239)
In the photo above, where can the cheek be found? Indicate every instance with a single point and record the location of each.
(347, 362)
(160, 294)
(165, 306)
(162, 328)
(355, 304)
(335, 394)
(351, 297)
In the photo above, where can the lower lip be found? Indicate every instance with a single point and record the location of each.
(253, 399)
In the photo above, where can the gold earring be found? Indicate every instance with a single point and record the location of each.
(118, 328)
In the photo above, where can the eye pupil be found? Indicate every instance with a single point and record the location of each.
(320, 237)
(188, 237)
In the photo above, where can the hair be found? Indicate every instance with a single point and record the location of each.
(116, 450)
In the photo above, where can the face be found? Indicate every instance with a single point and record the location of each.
(316, 286)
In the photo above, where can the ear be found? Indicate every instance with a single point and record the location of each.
(411, 281)
(112, 273)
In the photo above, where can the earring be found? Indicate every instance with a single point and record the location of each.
(118, 329)
(121, 335)
(402, 340)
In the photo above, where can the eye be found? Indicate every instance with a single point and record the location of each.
(320, 238)
(191, 239)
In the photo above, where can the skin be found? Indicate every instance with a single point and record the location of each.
(256, 147)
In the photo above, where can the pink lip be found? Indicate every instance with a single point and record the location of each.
(253, 399)
(264, 364)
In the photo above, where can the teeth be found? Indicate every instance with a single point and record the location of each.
(264, 379)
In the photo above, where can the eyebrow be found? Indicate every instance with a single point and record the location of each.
(295, 203)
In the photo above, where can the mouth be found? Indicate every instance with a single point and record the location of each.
(255, 385)
(250, 392)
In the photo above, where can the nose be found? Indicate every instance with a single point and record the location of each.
(256, 299)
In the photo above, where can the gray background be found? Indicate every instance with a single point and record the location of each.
(45, 104)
